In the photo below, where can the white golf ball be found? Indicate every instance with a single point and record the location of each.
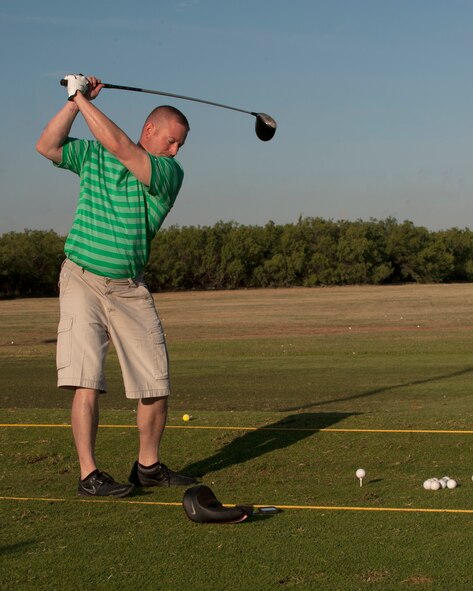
(360, 473)
(427, 484)
(451, 483)
(443, 483)
(435, 485)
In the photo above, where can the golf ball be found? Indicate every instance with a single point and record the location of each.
(427, 484)
(360, 473)
(434, 485)
(185, 418)
(451, 483)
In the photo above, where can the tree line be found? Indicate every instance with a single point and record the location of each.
(311, 252)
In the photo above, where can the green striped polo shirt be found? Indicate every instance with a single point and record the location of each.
(117, 216)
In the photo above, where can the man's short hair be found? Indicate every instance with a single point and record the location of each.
(168, 112)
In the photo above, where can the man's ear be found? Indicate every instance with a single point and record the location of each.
(149, 128)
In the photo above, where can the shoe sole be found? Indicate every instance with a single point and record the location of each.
(118, 495)
(164, 485)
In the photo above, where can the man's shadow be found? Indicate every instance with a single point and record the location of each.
(255, 443)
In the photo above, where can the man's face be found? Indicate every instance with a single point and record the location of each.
(164, 138)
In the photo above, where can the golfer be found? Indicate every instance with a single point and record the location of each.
(126, 191)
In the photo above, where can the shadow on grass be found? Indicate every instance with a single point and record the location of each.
(381, 390)
(18, 548)
(253, 444)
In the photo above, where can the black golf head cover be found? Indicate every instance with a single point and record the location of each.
(202, 506)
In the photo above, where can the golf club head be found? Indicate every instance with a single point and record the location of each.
(265, 127)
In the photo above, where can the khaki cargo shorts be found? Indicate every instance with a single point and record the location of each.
(95, 310)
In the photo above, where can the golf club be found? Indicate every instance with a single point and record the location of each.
(265, 125)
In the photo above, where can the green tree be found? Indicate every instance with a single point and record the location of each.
(30, 262)
(418, 255)
(459, 243)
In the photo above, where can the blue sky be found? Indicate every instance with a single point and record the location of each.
(372, 98)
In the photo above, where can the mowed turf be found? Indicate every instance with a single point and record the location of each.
(290, 391)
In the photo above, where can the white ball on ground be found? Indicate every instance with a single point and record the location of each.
(443, 483)
(435, 485)
(427, 484)
(451, 483)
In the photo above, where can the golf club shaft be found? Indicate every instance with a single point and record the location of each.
(170, 94)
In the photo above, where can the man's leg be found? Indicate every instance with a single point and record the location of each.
(81, 349)
(151, 420)
(140, 343)
(148, 470)
(85, 420)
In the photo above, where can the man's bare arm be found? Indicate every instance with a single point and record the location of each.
(115, 140)
(56, 132)
(131, 155)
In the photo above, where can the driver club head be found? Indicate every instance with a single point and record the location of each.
(265, 127)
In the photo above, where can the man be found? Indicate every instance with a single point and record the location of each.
(126, 191)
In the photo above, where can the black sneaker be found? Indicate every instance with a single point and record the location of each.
(101, 484)
(158, 476)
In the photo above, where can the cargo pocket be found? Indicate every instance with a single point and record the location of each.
(160, 354)
(64, 342)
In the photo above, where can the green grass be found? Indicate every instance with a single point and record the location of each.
(274, 380)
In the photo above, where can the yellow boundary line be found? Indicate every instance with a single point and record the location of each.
(205, 427)
(282, 507)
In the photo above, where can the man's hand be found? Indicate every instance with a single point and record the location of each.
(76, 83)
(89, 86)
(93, 88)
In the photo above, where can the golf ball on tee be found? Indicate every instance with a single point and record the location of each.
(185, 418)
(360, 473)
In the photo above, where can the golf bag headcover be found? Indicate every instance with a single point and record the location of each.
(202, 506)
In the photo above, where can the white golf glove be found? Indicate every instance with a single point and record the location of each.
(76, 83)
